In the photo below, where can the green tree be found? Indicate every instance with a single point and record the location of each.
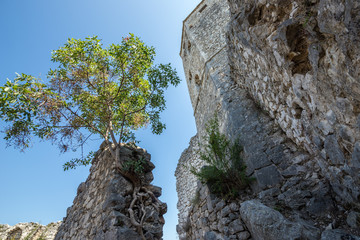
(109, 92)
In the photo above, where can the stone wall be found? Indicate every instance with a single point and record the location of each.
(28, 231)
(204, 33)
(186, 182)
(264, 65)
(213, 218)
(299, 60)
(100, 209)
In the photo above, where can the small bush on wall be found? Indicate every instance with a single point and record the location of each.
(225, 170)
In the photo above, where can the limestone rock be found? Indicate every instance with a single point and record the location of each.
(266, 223)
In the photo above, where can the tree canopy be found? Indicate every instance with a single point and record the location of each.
(95, 90)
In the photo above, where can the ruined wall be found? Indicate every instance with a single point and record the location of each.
(266, 62)
(100, 209)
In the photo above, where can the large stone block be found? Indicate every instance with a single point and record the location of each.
(267, 177)
(266, 223)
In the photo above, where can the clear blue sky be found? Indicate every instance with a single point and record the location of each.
(33, 184)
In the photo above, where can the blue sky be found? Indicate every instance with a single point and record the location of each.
(33, 185)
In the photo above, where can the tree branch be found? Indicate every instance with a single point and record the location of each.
(89, 125)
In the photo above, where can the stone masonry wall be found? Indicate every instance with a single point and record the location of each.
(203, 36)
(213, 218)
(314, 190)
(100, 207)
(299, 60)
(186, 182)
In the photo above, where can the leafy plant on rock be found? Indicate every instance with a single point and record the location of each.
(107, 92)
(135, 166)
(225, 170)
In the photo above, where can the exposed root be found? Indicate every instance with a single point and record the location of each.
(139, 197)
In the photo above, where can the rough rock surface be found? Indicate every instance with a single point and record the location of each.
(188, 187)
(299, 60)
(337, 234)
(283, 77)
(212, 218)
(266, 223)
(28, 231)
(100, 207)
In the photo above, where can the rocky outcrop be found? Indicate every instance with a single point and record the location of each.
(28, 231)
(282, 77)
(100, 209)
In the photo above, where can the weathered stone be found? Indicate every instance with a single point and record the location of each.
(267, 177)
(219, 205)
(233, 216)
(355, 160)
(234, 207)
(333, 150)
(282, 78)
(224, 221)
(266, 223)
(236, 226)
(325, 127)
(209, 203)
(321, 203)
(260, 162)
(210, 236)
(121, 233)
(148, 178)
(337, 234)
(269, 193)
(120, 185)
(225, 231)
(225, 211)
(212, 217)
(112, 201)
(100, 210)
(81, 188)
(353, 220)
(156, 190)
(243, 235)
(291, 171)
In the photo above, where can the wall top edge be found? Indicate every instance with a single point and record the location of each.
(183, 28)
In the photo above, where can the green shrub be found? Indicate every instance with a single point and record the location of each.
(225, 170)
(135, 166)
